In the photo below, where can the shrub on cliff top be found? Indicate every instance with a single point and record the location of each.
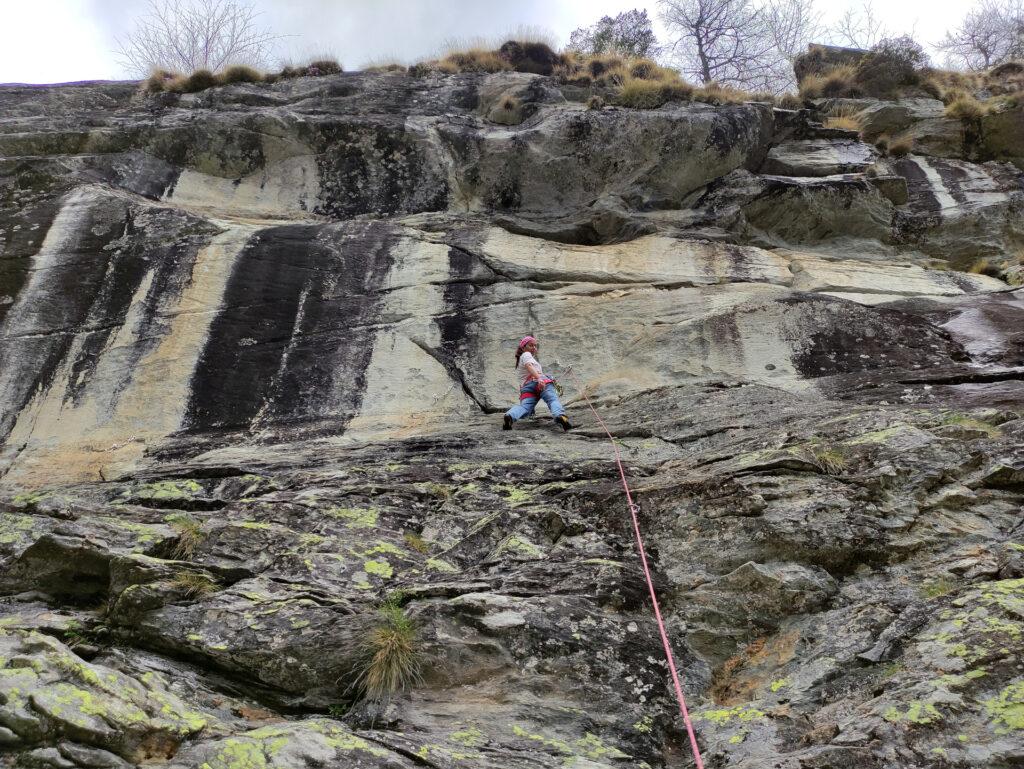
(240, 74)
(529, 56)
(890, 68)
(892, 64)
(199, 80)
(650, 94)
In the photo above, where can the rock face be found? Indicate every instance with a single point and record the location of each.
(254, 346)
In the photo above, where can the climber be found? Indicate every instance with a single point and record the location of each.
(534, 386)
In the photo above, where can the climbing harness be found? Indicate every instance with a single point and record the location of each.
(634, 511)
(534, 392)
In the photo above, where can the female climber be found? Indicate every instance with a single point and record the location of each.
(534, 386)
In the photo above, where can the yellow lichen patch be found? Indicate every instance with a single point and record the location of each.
(1006, 711)
(440, 565)
(518, 546)
(722, 716)
(471, 737)
(14, 528)
(356, 518)
(779, 683)
(589, 746)
(380, 568)
(917, 712)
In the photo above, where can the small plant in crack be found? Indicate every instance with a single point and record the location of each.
(190, 536)
(416, 542)
(388, 659)
(193, 584)
(829, 460)
(75, 635)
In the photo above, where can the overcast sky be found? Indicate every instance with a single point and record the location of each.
(48, 41)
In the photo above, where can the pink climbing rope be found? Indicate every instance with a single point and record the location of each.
(633, 510)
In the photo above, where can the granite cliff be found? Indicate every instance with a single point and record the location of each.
(254, 345)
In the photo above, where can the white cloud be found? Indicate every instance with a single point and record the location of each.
(50, 41)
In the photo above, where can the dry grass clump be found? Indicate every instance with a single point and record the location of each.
(508, 112)
(202, 79)
(639, 83)
(966, 107)
(472, 60)
(595, 102)
(845, 118)
(316, 68)
(159, 81)
(190, 536)
(388, 659)
(651, 94)
(714, 93)
(838, 82)
(790, 101)
(192, 584)
(240, 74)
(386, 66)
(901, 146)
(416, 542)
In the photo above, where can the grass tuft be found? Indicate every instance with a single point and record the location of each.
(651, 94)
(190, 536)
(193, 584)
(846, 119)
(508, 112)
(829, 460)
(388, 660)
(966, 107)
(200, 80)
(901, 146)
(416, 542)
(240, 74)
(839, 81)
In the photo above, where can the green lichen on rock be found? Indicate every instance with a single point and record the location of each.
(779, 683)
(15, 528)
(166, 491)
(644, 725)
(917, 712)
(238, 754)
(380, 568)
(588, 746)
(440, 565)
(723, 716)
(519, 546)
(355, 517)
(471, 737)
(1006, 710)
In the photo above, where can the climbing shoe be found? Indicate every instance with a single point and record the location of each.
(564, 422)
(506, 423)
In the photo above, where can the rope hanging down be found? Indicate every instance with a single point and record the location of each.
(633, 510)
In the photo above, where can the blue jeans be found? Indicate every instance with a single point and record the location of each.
(527, 405)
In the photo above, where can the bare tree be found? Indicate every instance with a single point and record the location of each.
(186, 35)
(860, 27)
(991, 33)
(791, 25)
(717, 40)
(740, 43)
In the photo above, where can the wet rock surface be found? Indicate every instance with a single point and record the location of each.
(254, 346)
